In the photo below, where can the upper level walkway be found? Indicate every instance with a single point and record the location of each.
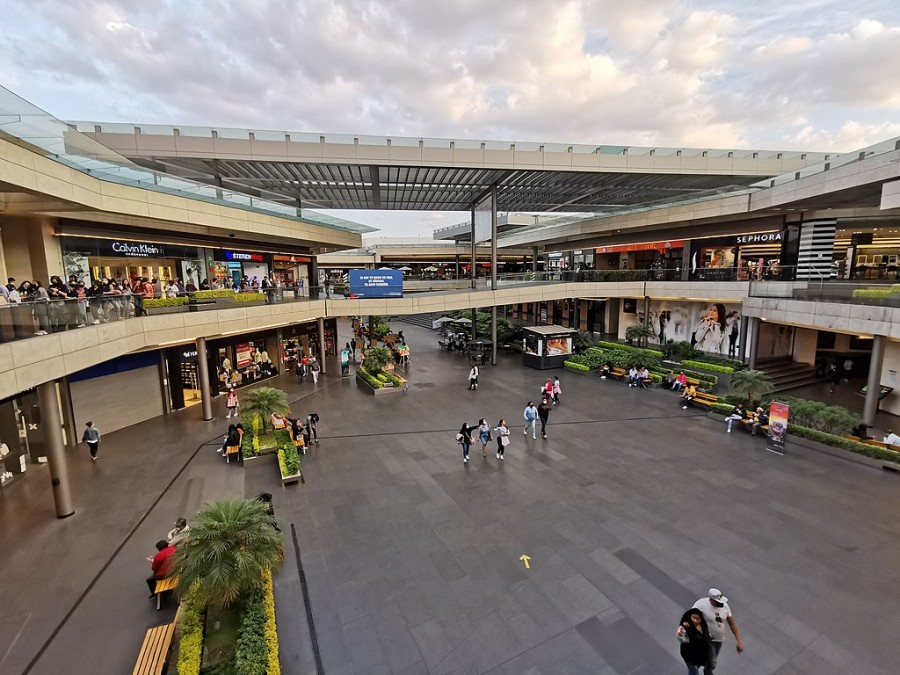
(32, 360)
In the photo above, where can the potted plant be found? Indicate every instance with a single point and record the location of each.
(257, 408)
(290, 465)
(750, 385)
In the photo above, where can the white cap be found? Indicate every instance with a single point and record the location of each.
(718, 596)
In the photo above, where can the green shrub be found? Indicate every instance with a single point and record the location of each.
(190, 648)
(393, 379)
(381, 330)
(722, 408)
(150, 303)
(845, 443)
(251, 650)
(591, 359)
(681, 350)
(618, 345)
(872, 293)
(249, 297)
(572, 365)
(271, 629)
(368, 378)
(832, 419)
(219, 293)
(289, 460)
(716, 368)
(703, 357)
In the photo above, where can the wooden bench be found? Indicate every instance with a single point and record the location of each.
(155, 650)
(618, 373)
(871, 441)
(166, 585)
(703, 400)
(231, 450)
(298, 443)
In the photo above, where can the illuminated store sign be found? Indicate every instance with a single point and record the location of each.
(240, 256)
(761, 238)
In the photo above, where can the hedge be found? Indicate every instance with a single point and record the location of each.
(150, 303)
(872, 293)
(289, 460)
(721, 408)
(727, 370)
(619, 345)
(256, 651)
(218, 293)
(572, 365)
(368, 378)
(249, 297)
(859, 448)
(702, 357)
(190, 647)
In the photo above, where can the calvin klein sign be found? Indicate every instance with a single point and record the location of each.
(133, 250)
(761, 238)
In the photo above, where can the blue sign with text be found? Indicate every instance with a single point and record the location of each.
(376, 283)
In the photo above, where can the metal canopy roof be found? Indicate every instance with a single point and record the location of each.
(414, 188)
(358, 172)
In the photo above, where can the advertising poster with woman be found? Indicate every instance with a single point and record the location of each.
(778, 422)
(710, 327)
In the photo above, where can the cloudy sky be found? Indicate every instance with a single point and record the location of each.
(768, 74)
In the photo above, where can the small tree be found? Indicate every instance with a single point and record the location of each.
(639, 333)
(228, 549)
(264, 401)
(377, 358)
(751, 385)
(582, 342)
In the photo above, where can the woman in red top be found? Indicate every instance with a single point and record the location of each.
(161, 564)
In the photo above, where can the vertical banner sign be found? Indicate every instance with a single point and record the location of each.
(778, 422)
(243, 355)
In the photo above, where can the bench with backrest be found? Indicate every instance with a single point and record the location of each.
(298, 442)
(618, 373)
(155, 650)
(872, 441)
(232, 451)
(166, 585)
(703, 400)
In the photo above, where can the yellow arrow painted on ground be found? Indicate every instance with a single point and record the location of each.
(525, 559)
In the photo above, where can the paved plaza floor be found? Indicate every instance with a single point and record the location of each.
(629, 512)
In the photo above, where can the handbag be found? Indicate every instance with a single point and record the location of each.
(504, 441)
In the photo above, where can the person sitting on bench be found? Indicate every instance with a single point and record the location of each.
(161, 564)
(738, 414)
(688, 395)
(633, 376)
(760, 419)
(680, 381)
(860, 431)
(643, 375)
(605, 370)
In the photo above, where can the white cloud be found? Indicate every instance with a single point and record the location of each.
(725, 73)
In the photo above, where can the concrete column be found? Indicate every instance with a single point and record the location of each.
(456, 264)
(320, 322)
(203, 375)
(474, 323)
(873, 387)
(68, 411)
(279, 356)
(372, 341)
(534, 257)
(165, 385)
(55, 448)
(742, 339)
(494, 335)
(754, 341)
(473, 248)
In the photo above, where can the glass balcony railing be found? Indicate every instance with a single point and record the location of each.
(29, 126)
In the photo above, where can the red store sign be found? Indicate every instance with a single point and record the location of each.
(661, 246)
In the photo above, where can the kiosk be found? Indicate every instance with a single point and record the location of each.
(547, 346)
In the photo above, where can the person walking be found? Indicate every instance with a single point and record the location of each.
(696, 646)
(484, 435)
(530, 415)
(314, 369)
(464, 438)
(502, 432)
(557, 390)
(231, 403)
(473, 377)
(543, 415)
(547, 389)
(312, 420)
(91, 436)
(717, 613)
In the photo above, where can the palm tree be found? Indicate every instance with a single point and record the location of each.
(639, 333)
(263, 402)
(377, 358)
(750, 384)
(231, 545)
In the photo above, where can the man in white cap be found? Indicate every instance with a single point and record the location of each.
(717, 612)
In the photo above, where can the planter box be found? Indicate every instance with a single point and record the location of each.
(177, 309)
(293, 478)
(386, 390)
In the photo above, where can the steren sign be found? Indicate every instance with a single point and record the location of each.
(762, 238)
(135, 250)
